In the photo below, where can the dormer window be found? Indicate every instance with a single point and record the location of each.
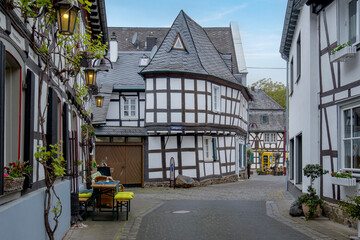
(178, 44)
(144, 61)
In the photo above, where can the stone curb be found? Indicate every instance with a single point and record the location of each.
(273, 212)
(131, 228)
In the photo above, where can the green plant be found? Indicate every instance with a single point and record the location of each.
(16, 170)
(312, 200)
(314, 171)
(342, 174)
(351, 206)
(339, 47)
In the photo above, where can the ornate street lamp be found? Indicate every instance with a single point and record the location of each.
(66, 16)
(99, 101)
(90, 77)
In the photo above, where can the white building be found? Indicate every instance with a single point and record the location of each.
(324, 92)
(21, 68)
(192, 105)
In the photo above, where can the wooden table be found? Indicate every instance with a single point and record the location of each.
(101, 190)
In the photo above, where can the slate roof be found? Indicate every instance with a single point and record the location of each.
(120, 131)
(221, 37)
(200, 57)
(124, 75)
(263, 104)
(262, 101)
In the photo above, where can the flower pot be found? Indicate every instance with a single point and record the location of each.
(306, 209)
(347, 182)
(13, 184)
(343, 54)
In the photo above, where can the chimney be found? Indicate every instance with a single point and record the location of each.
(113, 48)
(150, 41)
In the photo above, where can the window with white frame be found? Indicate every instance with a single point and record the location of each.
(298, 58)
(216, 98)
(129, 108)
(351, 137)
(270, 137)
(349, 21)
(210, 148)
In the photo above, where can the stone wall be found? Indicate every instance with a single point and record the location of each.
(334, 213)
(209, 181)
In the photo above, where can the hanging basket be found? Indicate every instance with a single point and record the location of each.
(13, 184)
(347, 182)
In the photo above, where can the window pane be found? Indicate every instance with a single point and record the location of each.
(356, 122)
(132, 101)
(102, 139)
(126, 107)
(134, 139)
(126, 113)
(352, 21)
(132, 107)
(347, 153)
(347, 121)
(356, 153)
(133, 113)
(118, 139)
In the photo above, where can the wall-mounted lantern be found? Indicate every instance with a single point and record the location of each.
(66, 16)
(90, 76)
(99, 100)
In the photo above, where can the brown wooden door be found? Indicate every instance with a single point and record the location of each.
(126, 161)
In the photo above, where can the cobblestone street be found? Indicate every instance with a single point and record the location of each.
(249, 209)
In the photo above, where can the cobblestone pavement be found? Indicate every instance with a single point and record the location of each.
(265, 193)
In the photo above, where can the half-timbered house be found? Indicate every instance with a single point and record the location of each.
(188, 103)
(22, 212)
(267, 120)
(320, 44)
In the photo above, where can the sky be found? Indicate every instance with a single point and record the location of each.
(260, 24)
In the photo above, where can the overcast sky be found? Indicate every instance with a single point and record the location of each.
(260, 23)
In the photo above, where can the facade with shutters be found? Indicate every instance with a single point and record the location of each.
(20, 70)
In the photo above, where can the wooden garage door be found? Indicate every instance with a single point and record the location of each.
(126, 161)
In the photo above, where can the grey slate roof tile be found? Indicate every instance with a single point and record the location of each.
(123, 75)
(263, 104)
(200, 56)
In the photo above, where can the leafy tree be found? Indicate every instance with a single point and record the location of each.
(276, 90)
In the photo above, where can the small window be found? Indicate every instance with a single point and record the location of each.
(298, 58)
(291, 76)
(129, 108)
(265, 119)
(210, 149)
(144, 61)
(348, 22)
(134, 139)
(119, 139)
(102, 139)
(216, 98)
(270, 137)
(178, 44)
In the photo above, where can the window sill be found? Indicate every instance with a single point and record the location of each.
(10, 197)
(127, 118)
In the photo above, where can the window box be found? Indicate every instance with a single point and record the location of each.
(343, 54)
(347, 182)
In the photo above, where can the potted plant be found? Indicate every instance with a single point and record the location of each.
(15, 176)
(342, 52)
(311, 203)
(352, 207)
(343, 178)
